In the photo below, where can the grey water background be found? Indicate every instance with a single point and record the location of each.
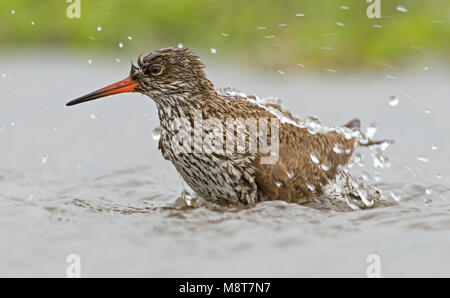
(89, 179)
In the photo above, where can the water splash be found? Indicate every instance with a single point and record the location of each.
(314, 155)
(338, 189)
(156, 133)
(394, 101)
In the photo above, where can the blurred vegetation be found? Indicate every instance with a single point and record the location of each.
(271, 33)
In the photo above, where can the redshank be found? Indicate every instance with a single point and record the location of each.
(306, 161)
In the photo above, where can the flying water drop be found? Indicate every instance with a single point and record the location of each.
(326, 165)
(310, 187)
(371, 130)
(396, 197)
(423, 158)
(313, 125)
(314, 155)
(338, 148)
(394, 101)
(156, 134)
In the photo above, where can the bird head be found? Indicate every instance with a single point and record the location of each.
(165, 72)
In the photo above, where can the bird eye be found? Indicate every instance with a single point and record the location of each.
(155, 69)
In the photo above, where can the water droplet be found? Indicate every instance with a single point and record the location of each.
(117, 60)
(156, 134)
(180, 45)
(340, 24)
(326, 165)
(380, 161)
(301, 65)
(90, 61)
(313, 125)
(423, 158)
(270, 36)
(225, 35)
(426, 68)
(427, 111)
(262, 28)
(279, 184)
(344, 7)
(281, 72)
(120, 44)
(93, 116)
(311, 187)
(428, 191)
(290, 175)
(434, 147)
(396, 197)
(13, 123)
(439, 176)
(394, 101)
(330, 70)
(377, 26)
(99, 28)
(371, 130)
(213, 50)
(13, 11)
(384, 146)
(401, 9)
(314, 155)
(44, 159)
(129, 37)
(299, 14)
(32, 23)
(338, 148)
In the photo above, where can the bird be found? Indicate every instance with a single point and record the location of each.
(307, 160)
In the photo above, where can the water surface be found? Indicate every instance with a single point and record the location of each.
(89, 179)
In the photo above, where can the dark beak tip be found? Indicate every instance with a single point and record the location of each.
(125, 85)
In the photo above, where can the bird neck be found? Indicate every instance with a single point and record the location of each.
(185, 106)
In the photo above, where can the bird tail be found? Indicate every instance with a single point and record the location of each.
(356, 124)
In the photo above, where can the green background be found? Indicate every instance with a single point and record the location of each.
(315, 40)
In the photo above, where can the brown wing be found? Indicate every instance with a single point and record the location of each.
(296, 175)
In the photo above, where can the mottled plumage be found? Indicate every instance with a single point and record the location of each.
(307, 162)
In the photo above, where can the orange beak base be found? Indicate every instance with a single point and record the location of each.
(126, 85)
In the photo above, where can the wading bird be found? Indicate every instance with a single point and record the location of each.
(306, 163)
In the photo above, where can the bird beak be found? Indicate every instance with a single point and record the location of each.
(126, 85)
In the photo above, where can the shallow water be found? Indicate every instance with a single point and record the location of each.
(89, 180)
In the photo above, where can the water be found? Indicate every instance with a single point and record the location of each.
(101, 189)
